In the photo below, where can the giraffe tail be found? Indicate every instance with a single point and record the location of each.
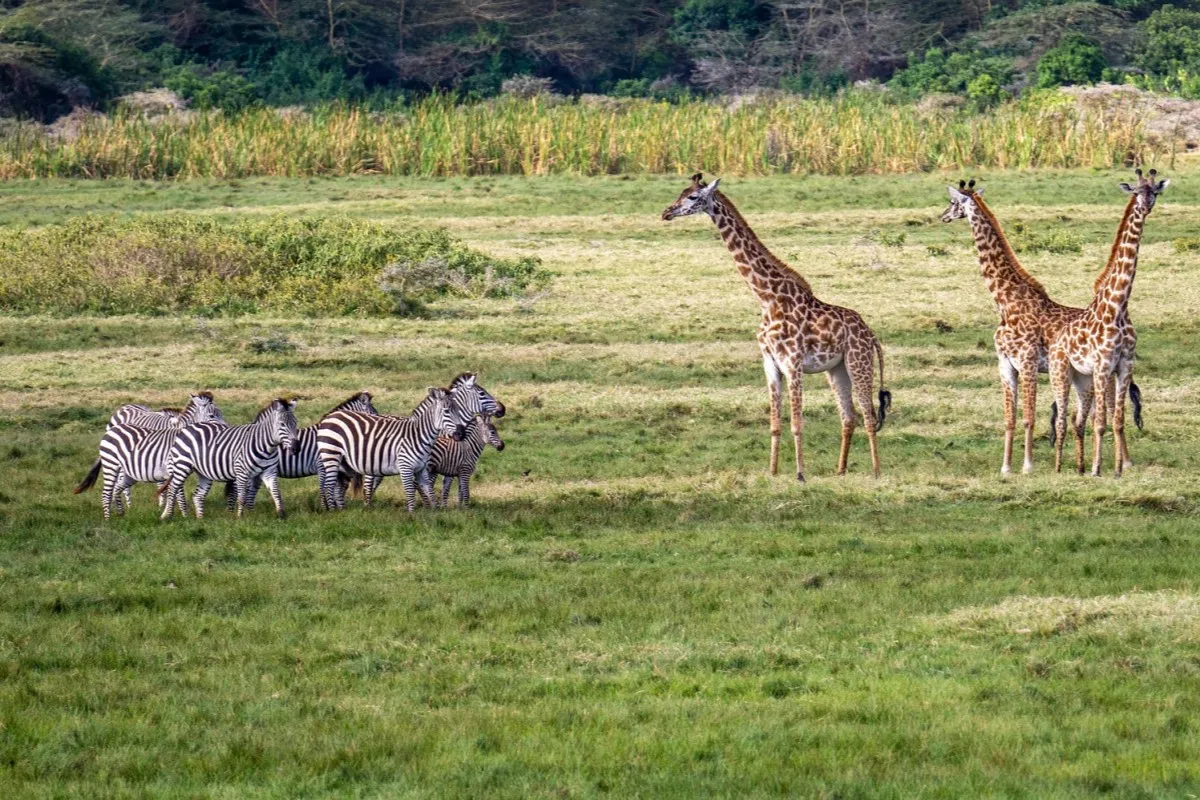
(89, 480)
(1135, 396)
(1053, 422)
(885, 397)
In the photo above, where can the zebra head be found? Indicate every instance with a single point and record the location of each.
(200, 408)
(473, 398)
(490, 434)
(447, 416)
(280, 419)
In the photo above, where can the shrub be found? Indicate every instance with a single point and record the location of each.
(1188, 244)
(220, 89)
(1075, 59)
(1060, 241)
(169, 263)
(1170, 42)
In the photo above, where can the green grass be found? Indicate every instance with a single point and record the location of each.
(632, 607)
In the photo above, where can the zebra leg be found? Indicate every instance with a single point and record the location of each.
(447, 482)
(272, 482)
(202, 487)
(171, 493)
(464, 489)
(425, 480)
(369, 485)
(252, 492)
(410, 489)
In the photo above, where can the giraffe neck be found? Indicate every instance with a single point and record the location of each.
(1115, 284)
(1004, 276)
(768, 277)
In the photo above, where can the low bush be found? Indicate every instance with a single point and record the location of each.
(1060, 241)
(170, 263)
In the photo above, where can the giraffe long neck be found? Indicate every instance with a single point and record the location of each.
(767, 276)
(1115, 284)
(1006, 279)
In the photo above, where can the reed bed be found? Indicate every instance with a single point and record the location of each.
(852, 134)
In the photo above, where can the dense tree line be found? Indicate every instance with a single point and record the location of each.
(55, 54)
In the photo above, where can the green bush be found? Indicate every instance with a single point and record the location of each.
(1186, 244)
(984, 92)
(170, 263)
(1059, 241)
(1075, 59)
(951, 74)
(228, 91)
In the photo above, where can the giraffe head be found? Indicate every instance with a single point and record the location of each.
(1145, 191)
(694, 199)
(960, 199)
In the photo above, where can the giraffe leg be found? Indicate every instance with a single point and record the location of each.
(796, 392)
(1084, 398)
(1061, 386)
(1120, 386)
(861, 368)
(1008, 379)
(843, 392)
(1101, 379)
(774, 380)
(1028, 377)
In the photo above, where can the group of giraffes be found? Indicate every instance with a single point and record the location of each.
(1089, 349)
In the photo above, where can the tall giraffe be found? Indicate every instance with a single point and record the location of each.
(799, 334)
(1100, 342)
(1029, 321)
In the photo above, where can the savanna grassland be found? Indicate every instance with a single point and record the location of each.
(632, 607)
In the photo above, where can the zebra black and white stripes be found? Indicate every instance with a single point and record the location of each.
(239, 453)
(457, 460)
(349, 441)
(129, 454)
(301, 462)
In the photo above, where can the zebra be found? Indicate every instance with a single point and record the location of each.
(301, 462)
(383, 445)
(239, 453)
(129, 454)
(458, 460)
(140, 416)
(470, 397)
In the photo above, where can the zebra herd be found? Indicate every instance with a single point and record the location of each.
(445, 435)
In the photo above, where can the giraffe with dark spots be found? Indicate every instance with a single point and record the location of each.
(1029, 322)
(798, 334)
(1099, 346)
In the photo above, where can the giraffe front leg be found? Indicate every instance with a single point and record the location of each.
(1028, 379)
(1120, 385)
(1061, 387)
(1084, 398)
(1008, 380)
(1100, 388)
(795, 384)
(774, 387)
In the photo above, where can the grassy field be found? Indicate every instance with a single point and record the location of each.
(632, 607)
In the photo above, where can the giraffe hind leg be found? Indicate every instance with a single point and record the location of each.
(774, 388)
(843, 393)
(862, 377)
(1008, 380)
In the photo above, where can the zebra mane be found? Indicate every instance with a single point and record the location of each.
(354, 398)
(267, 408)
(171, 409)
(206, 395)
(460, 379)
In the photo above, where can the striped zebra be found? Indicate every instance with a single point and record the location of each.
(140, 416)
(348, 441)
(470, 398)
(129, 454)
(239, 453)
(301, 462)
(453, 460)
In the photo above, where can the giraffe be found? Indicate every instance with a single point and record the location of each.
(1029, 322)
(798, 334)
(1100, 342)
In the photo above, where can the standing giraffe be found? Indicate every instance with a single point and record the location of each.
(799, 334)
(1100, 342)
(1029, 321)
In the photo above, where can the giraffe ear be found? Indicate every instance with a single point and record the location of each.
(1126, 188)
(978, 191)
(1163, 184)
(955, 194)
(707, 191)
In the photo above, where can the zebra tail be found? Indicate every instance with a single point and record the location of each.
(1135, 396)
(163, 489)
(90, 479)
(885, 397)
(230, 492)
(1054, 422)
(356, 483)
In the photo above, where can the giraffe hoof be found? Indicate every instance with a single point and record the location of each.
(1028, 468)
(1006, 470)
